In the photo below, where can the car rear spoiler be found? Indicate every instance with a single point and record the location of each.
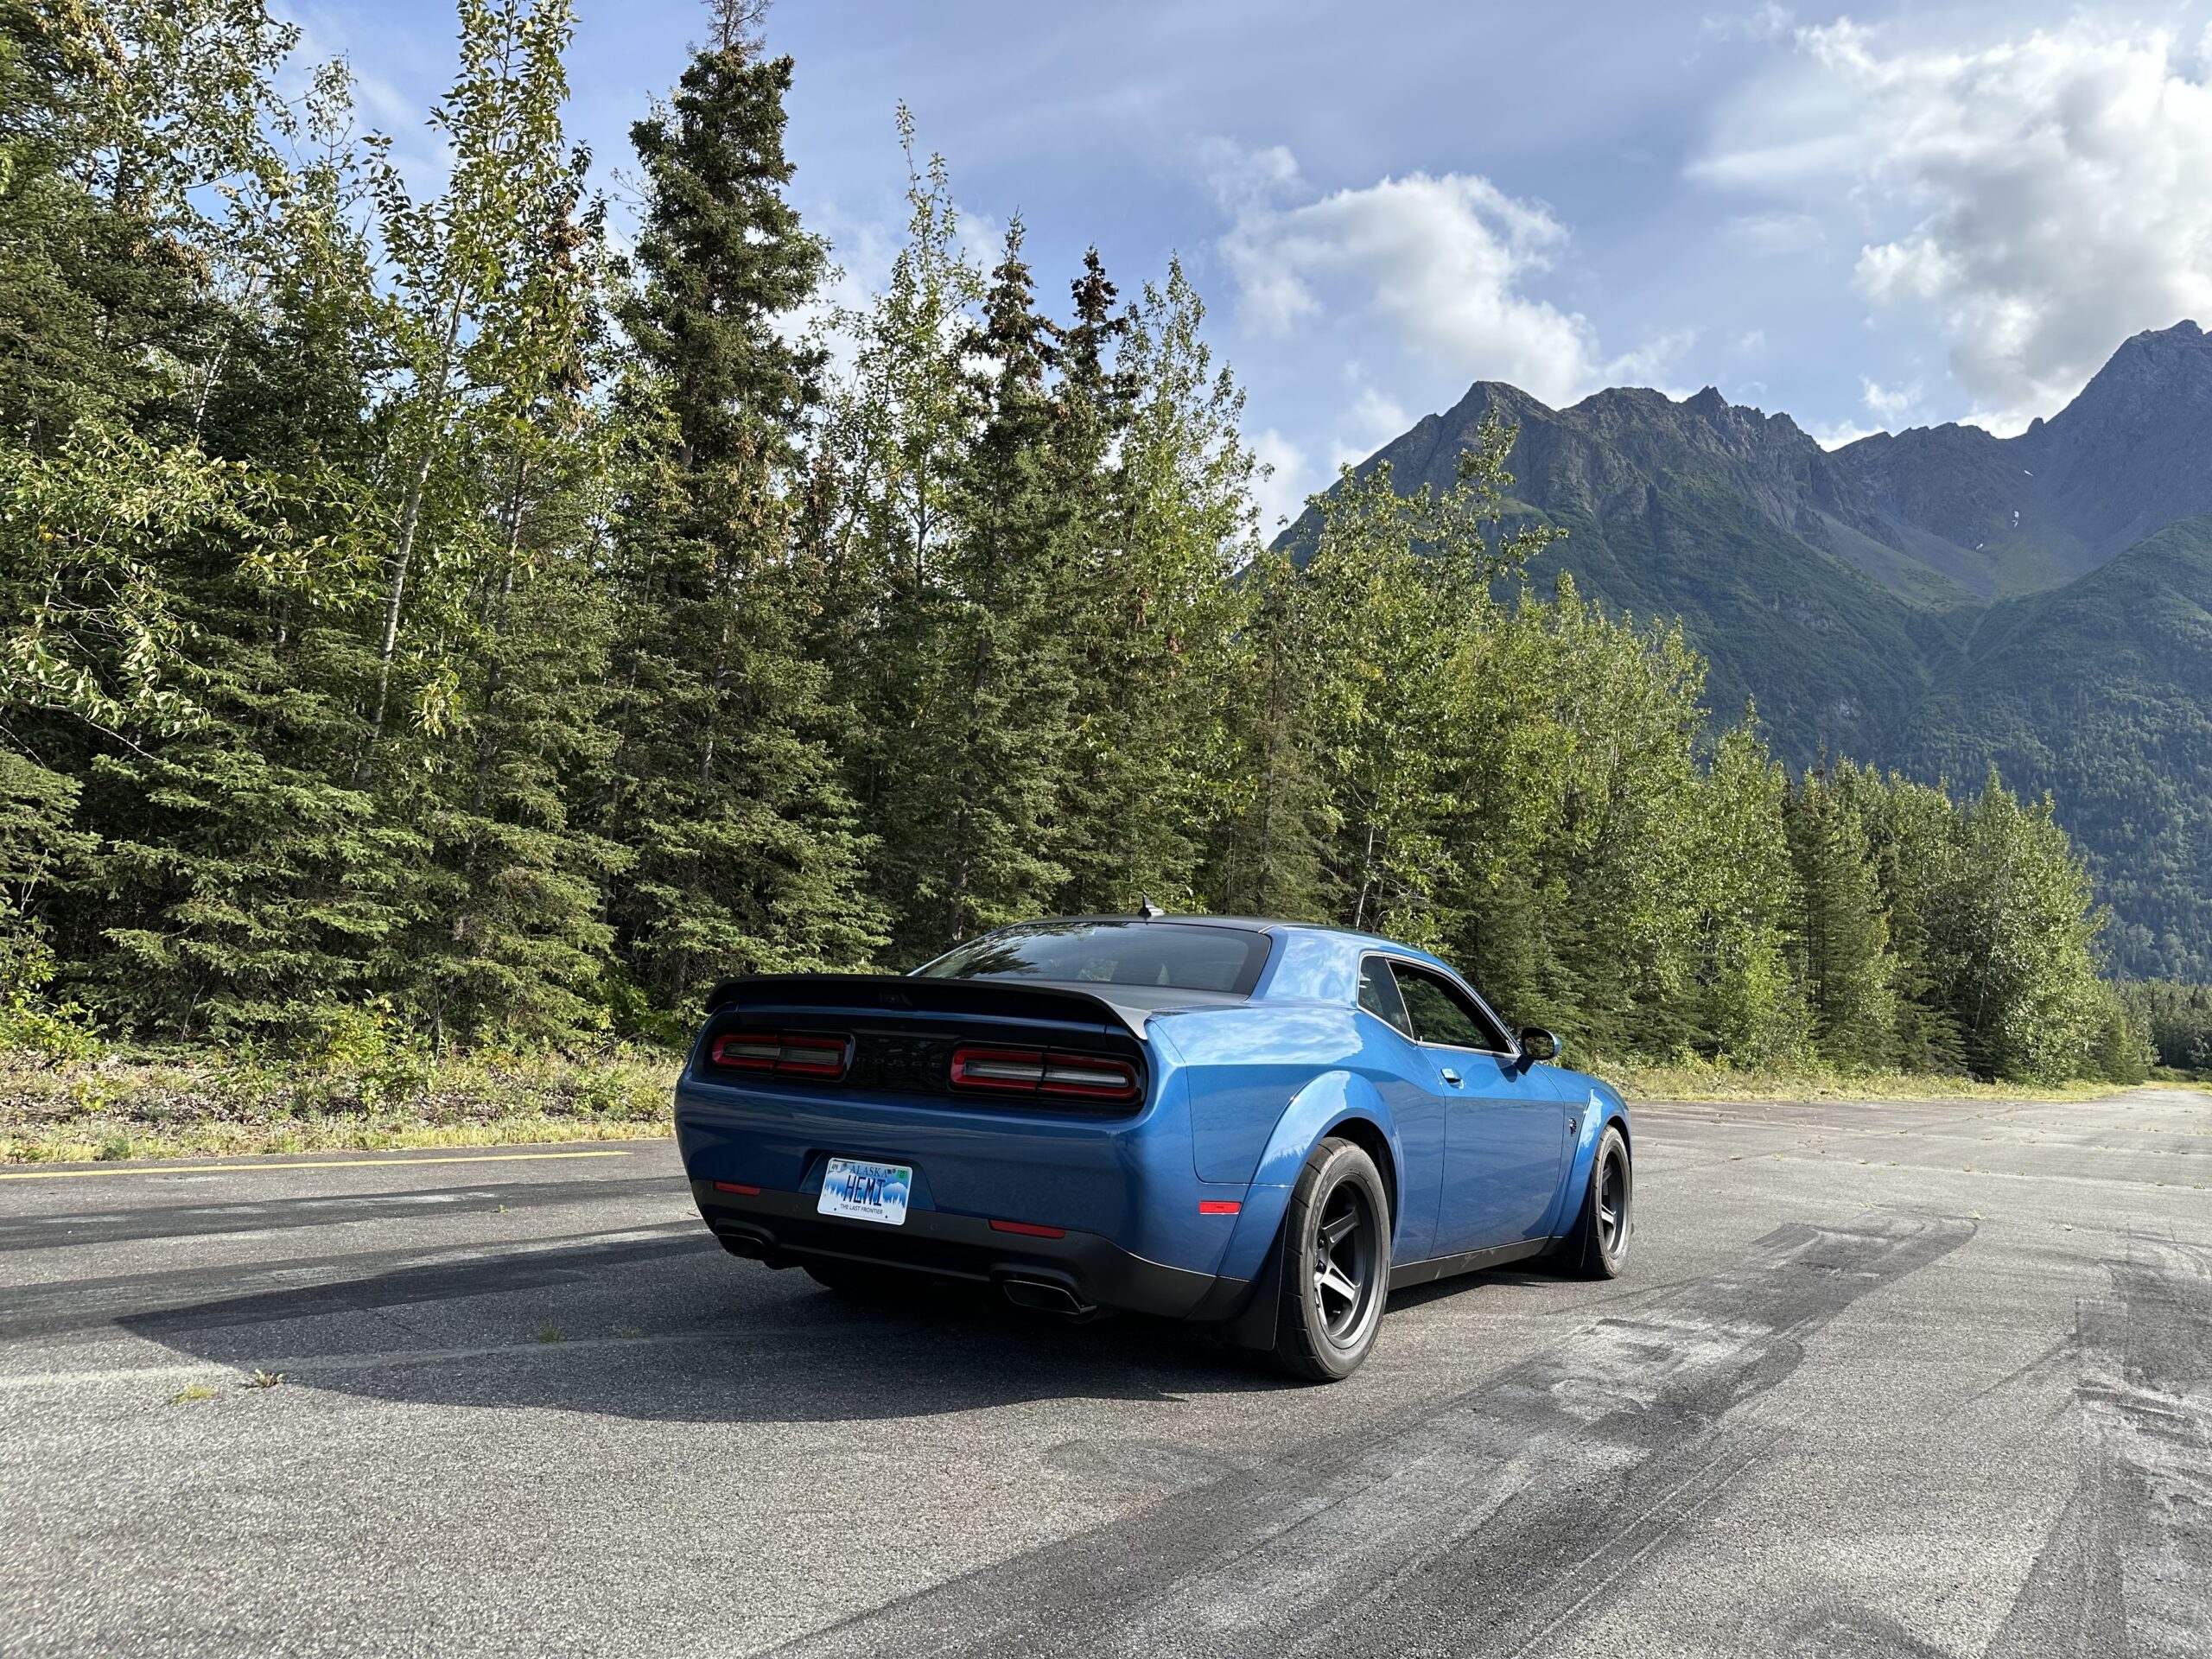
(902, 994)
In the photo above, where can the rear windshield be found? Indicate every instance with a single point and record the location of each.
(1178, 956)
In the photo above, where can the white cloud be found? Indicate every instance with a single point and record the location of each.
(1776, 233)
(1891, 405)
(1371, 421)
(1291, 478)
(1244, 179)
(1843, 432)
(1760, 24)
(1999, 423)
(2036, 201)
(1650, 364)
(1442, 260)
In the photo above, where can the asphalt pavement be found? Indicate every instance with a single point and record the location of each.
(1897, 1379)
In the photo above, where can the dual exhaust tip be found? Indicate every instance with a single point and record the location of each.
(1043, 1296)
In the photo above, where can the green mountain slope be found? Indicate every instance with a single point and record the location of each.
(2101, 693)
(1938, 600)
(1718, 515)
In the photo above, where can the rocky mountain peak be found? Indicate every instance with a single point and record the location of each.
(1938, 597)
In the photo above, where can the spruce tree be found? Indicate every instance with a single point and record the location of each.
(883, 514)
(1153, 455)
(236, 882)
(1912, 828)
(1843, 930)
(968, 819)
(384, 636)
(1273, 837)
(725, 780)
(1749, 1007)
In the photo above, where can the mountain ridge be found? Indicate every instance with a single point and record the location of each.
(1928, 599)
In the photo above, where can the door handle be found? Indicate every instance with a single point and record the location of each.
(1451, 1077)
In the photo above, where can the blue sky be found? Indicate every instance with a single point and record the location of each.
(1894, 215)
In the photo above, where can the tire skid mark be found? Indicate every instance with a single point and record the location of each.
(81, 1228)
(1557, 1552)
(1659, 1524)
(1482, 1526)
(2127, 1566)
(1854, 1633)
(2070, 1606)
(157, 1304)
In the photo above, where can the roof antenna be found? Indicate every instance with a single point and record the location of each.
(1146, 909)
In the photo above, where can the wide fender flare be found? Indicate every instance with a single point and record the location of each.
(1327, 1101)
(1604, 1107)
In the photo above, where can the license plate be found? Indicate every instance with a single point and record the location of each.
(861, 1190)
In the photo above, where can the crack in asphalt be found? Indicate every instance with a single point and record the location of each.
(1481, 1527)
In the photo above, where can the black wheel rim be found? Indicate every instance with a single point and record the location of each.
(1612, 1201)
(1345, 1259)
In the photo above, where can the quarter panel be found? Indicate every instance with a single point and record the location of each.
(1244, 1066)
(1415, 1139)
(1268, 1082)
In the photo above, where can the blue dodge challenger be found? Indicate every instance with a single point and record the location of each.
(1264, 1126)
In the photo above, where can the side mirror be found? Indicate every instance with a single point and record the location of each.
(1538, 1044)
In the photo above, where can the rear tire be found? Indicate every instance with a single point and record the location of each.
(1597, 1246)
(1335, 1247)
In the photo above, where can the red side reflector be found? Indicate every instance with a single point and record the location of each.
(1029, 1229)
(1219, 1206)
(738, 1187)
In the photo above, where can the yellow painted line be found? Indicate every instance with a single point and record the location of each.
(331, 1163)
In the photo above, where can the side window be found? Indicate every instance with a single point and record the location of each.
(1378, 993)
(1442, 1013)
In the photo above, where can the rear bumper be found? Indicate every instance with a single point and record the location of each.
(783, 1229)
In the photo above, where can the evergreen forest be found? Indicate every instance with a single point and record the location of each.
(477, 616)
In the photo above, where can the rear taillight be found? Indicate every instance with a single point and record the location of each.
(1041, 1071)
(787, 1053)
(1019, 1070)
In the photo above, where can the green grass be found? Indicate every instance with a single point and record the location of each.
(1701, 1081)
(203, 1104)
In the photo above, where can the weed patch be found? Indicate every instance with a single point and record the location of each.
(207, 1102)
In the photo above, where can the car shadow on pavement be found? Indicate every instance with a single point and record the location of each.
(673, 1330)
